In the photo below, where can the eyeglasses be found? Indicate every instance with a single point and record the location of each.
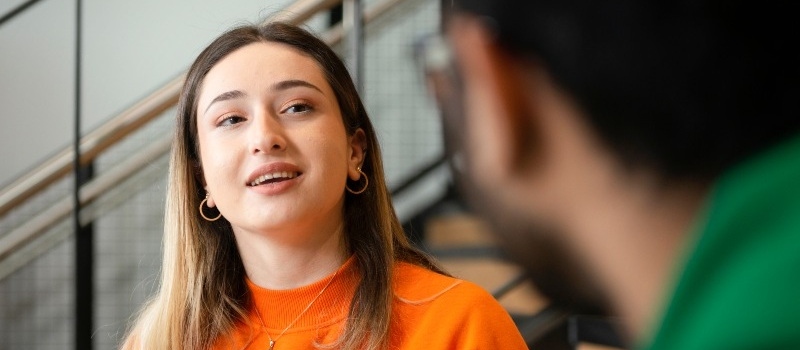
(432, 53)
(435, 59)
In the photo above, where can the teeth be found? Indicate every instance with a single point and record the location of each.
(275, 175)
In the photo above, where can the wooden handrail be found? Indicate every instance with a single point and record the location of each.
(119, 127)
(60, 209)
(301, 10)
(92, 144)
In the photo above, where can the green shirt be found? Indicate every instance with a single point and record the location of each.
(740, 285)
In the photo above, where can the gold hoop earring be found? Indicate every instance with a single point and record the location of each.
(202, 204)
(366, 183)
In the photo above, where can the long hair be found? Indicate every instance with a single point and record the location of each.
(203, 292)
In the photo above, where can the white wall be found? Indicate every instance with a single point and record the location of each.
(36, 84)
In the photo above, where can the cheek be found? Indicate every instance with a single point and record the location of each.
(333, 154)
(215, 159)
(329, 142)
(483, 143)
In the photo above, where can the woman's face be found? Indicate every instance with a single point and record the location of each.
(273, 147)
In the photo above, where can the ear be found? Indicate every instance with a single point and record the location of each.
(210, 202)
(201, 179)
(496, 99)
(357, 154)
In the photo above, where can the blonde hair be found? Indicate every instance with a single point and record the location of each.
(203, 291)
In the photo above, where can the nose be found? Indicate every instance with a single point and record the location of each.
(267, 135)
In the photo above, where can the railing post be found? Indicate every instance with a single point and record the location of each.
(84, 275)
(84, 235)
(353, 23)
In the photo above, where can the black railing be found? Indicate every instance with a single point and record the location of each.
(17, 10)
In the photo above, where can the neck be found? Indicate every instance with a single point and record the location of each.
(275, 263)
(633, 234)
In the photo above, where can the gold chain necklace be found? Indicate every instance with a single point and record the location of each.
(264, 326)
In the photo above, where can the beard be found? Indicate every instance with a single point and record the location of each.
(537, 245)
(558, 274)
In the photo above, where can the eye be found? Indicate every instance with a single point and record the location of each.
(298, 108)
(231, 120)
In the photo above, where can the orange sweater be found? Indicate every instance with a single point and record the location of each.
(431, 311)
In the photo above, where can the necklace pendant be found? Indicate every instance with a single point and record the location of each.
(271, 344)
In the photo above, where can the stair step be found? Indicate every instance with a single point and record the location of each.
(491, 274)
(457, 230)
(467, 232)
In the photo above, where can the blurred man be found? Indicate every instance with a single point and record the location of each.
(642, 153)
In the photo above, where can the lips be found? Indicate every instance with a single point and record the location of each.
(272, 173)
(274, 177)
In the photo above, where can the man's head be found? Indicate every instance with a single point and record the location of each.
(555, 97)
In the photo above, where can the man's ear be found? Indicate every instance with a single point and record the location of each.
(358, 153)
(496, 97)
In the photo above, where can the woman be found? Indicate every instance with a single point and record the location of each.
(279, 231)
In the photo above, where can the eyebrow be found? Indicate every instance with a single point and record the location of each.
(288, 84)
(279, 86)
(230, 95)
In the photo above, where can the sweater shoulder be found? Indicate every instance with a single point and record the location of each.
(418, 285)
(434, 311)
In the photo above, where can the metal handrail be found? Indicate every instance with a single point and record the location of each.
(113, 131)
